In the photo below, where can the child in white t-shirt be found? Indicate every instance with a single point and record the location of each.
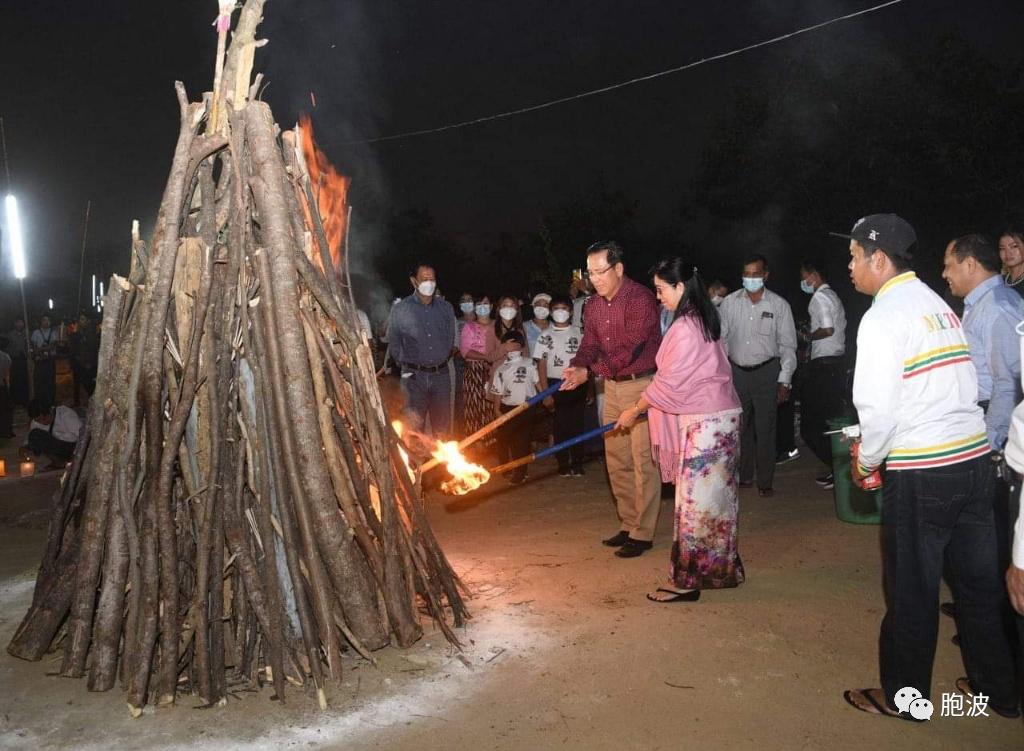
(514, 383)
(555, 349)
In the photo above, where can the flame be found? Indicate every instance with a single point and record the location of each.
(399, 429)
(330, 188)
(466, 476)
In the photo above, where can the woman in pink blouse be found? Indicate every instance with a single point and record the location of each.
(694, 417)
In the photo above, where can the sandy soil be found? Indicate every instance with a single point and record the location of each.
(563, 650)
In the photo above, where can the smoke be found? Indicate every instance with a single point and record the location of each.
(327, 59)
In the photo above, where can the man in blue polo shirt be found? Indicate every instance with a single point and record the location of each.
(421, 336)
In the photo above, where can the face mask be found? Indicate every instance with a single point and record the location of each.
(507, 314)
(541, 313)
(514, 355)
(560, 316)
(716, 300)
(483, 310)
(426, 288)
(807, 287)
(466, 307)
(753, 283)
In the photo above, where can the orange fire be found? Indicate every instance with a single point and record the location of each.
(466, 476)
(399, 429)
(330, 189)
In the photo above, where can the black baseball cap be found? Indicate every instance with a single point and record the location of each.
(891, 233)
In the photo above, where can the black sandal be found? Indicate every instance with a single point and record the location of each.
(875, 708)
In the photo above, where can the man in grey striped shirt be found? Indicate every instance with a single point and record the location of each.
(758, 330)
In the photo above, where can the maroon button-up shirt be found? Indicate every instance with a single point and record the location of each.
(621, 336)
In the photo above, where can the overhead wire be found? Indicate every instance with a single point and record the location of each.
(623, 84)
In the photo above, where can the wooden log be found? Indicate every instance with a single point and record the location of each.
(348, 571)
(41, 622)
(274, 414)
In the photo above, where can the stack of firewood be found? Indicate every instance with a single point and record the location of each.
(237, 509)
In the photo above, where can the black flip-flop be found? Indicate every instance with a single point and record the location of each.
(692, 596)
(879, 709)
(963, 685)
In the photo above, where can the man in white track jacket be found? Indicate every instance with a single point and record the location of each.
(916, 391)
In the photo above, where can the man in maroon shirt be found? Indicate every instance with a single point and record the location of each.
(621, 335)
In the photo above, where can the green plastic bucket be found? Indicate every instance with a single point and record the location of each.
(853, 505)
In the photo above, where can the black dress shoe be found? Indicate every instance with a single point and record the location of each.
(948, 608)
(618, 540)
(632, 548)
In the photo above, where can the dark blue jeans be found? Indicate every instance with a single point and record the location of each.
(428, 393)
(930, 515)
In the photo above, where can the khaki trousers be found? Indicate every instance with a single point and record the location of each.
(635, 480)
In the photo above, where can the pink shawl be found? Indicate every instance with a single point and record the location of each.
(694, 378)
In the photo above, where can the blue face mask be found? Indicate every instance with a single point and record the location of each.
(753, 283)
(466, 307)
(483, 310)
(807, 287)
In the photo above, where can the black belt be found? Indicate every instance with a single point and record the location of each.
(752, 368)
(634, 376)
(830, 360)
(426, 368)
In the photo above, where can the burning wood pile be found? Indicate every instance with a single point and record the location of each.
(237, 510)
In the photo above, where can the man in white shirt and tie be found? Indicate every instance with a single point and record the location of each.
(758, 331)
(825, 388)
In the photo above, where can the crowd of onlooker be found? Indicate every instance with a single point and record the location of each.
(713, 373)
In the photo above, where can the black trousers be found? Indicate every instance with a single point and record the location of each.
(931, 515)
(821, 399)
(514, 438)
(570, 408)
(44, 378)
(43, 442)
(19, 380)
(6, 415)
(758, 393)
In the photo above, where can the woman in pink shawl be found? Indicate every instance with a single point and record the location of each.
(694, 417)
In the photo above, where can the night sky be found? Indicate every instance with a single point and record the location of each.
(88, 103)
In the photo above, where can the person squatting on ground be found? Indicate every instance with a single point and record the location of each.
(621, 335)
(915, 391)
(758, 330)
(555, 348)
(822, 391)
(514, 383)
(421, 337)
(694, 419)
(51, 431)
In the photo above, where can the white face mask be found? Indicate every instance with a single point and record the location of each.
(753, 283)
(540, 313)
(507, 314)
(483, 310)
(513, 355)
(716, 299)
(426, 288)
(560, 315)
(466, 307)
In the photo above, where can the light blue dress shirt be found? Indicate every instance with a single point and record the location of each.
(992, 311)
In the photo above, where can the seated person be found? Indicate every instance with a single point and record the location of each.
(51, 431)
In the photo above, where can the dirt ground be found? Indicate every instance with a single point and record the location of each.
(563, 650)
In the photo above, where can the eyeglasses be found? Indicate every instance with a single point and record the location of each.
(600, 272)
